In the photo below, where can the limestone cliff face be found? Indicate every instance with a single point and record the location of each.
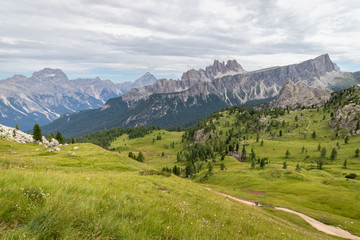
(188, 79)
(236, 86)
(296, 95)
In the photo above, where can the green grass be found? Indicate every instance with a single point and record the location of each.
(152, 150)
(323, 194)
(98, 194)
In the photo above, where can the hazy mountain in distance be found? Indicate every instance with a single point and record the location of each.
(49, 93)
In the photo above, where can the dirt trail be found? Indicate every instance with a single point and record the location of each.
(335, 231)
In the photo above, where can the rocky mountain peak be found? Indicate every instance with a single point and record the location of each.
(219, 69)
(295, 95)
(146, 79)
(48, 74)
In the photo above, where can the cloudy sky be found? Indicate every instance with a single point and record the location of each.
(121, 39)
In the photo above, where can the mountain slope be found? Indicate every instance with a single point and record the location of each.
(179, 102)
(49, 93)
(296, 95)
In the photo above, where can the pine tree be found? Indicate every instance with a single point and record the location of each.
(37, 132)
(262, 163)
(319, 164)
(296, 118)
(298, 168)
(210, 168)
(253, 155)
(346, 139)
(313, 135)
(59, 138)
(51, 136)
(323, 152)
(222, 166)
(140, 157)
(333, 154)
(178, 158)
(302, 149)
(287, 154)
(73, 140)
(257, 137)
(284, 165)
(280, 133)
(345, 164)
(243, 153)
(262, 142)
(357, 152)
(17, 127)
(319, 147)
(253, 163)
(189, 170)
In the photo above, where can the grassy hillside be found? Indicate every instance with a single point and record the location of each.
(160, 147)
(325, 194)
(91, 193)
(312, 178)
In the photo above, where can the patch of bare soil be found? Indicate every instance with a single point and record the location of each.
(253, 192)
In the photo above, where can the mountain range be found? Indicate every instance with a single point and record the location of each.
(49, 93)
(200, 92)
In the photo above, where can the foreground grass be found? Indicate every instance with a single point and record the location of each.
(96, 194)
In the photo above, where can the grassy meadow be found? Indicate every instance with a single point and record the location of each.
(323, 194)
(159, 152)
(98, 194)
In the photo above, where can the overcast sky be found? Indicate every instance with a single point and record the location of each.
(121, 39)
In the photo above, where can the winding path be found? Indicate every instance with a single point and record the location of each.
(335, 231)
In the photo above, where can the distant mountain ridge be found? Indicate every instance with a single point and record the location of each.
(200, 92)
(49, 93)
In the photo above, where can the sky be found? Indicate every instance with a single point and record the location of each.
(122, 39)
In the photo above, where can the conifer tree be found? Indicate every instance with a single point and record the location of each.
(253, 163)
(298, 168)
(345, 164)
(284, 165)
(140, 157)
(287, 154)
(333, 154)
(73, 140)
(37, 132)
(357, 152)
(346, 139)
(59, 138)
(313, 135)
(17, 127)
(323, 152)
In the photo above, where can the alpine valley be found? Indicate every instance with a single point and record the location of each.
(183, 102)
(49, 93)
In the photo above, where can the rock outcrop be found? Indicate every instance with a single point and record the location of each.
(297, 95)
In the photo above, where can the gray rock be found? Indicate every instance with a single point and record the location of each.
(295, 95)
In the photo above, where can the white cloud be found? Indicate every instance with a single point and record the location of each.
(169, 37)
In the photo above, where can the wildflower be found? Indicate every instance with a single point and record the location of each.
(19, 225)
(136, 199)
